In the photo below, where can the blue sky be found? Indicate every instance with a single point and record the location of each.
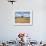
(26, 14)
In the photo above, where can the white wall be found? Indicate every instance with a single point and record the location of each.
(7, 12)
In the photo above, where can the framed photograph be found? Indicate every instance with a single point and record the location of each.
(23, 17)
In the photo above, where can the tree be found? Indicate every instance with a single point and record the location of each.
(22, 16)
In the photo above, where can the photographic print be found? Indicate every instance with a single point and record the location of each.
(23, 18)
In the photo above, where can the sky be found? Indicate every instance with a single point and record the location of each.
(25, 14)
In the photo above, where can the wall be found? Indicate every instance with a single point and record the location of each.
(9, 31)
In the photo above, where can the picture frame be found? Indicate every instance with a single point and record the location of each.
(23, 17)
